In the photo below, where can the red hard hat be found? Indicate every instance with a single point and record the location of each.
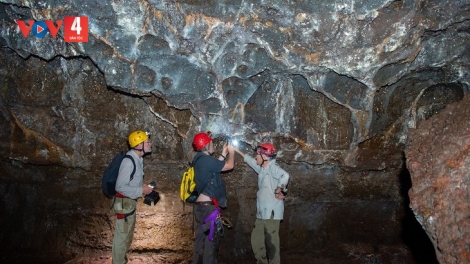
(201, 140)
(267, 149)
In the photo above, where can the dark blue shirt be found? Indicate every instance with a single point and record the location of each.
(208, 179)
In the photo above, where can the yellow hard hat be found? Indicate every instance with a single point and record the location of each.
(137, 137)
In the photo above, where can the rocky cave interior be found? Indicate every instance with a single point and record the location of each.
(366, 101)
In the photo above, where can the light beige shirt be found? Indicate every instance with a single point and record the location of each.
(269, 179)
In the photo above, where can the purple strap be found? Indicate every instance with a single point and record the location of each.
(212, 217)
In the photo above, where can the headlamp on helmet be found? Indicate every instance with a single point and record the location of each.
(266, 149)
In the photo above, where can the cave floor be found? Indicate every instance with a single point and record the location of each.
(145, 258)
(141, 259)
(393, 254)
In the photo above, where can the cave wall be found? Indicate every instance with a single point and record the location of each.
(439, 161)
(59, 142)
(336, 86)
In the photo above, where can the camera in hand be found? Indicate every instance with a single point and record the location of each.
(152, 197)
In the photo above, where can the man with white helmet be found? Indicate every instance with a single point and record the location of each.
(272, 185)
(129, 189)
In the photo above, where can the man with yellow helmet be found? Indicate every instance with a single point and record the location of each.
(129, 189)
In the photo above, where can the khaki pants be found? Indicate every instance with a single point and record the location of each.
(265, 241)
(123, 235)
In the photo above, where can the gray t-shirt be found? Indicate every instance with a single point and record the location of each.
(125, 186)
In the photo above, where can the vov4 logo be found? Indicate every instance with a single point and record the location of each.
(75, 28)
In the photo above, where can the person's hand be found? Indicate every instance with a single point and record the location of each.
(146, 189)
(237, 150)
(279, 194)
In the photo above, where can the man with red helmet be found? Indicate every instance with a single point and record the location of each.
(212, 194)
(272, 185)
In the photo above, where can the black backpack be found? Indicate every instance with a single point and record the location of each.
(110, 175)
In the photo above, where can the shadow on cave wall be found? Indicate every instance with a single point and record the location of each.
(413, 234)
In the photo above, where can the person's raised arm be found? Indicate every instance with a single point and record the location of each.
(230, 158)
(239, 152)
(224, 154)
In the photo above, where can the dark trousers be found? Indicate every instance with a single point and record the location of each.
(204, 248)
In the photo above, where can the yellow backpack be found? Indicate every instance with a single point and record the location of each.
(188, 191)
